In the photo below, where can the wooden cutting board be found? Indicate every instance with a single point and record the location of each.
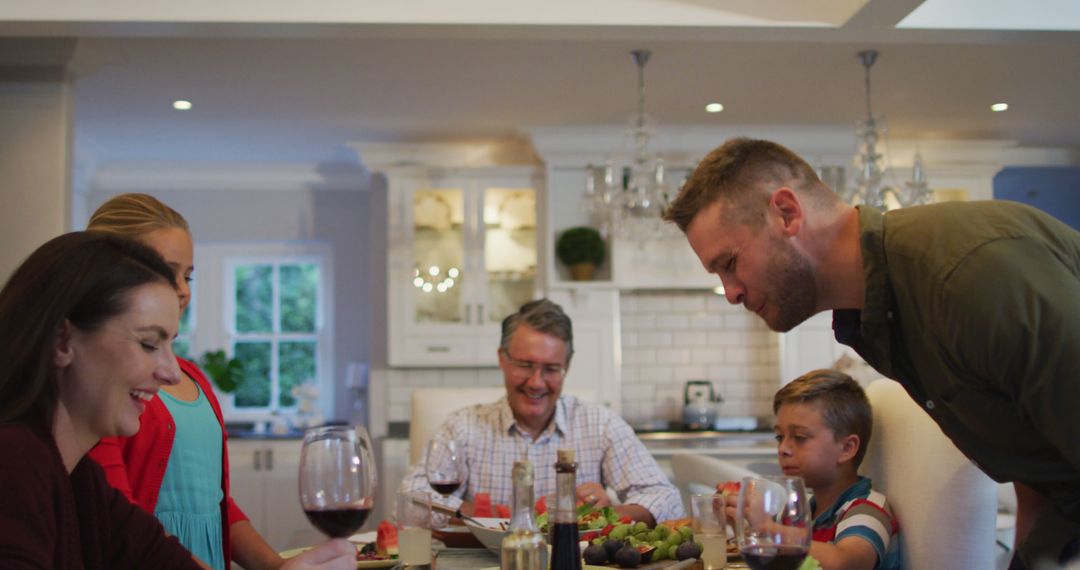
(665, 563)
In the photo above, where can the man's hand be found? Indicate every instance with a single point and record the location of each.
(1029, 505)
(336, 554)
(593, 494)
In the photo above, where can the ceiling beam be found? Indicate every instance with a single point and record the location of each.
(878, 14)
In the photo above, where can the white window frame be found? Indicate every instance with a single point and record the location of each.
(215, 269)
(192, 313)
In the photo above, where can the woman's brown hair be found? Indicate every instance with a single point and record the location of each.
(81, 277)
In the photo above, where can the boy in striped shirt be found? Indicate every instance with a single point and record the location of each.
(823, 424)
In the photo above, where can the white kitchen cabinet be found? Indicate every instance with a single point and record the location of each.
(463, 255)
(264, 481)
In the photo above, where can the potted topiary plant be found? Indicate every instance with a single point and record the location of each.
(581, 249)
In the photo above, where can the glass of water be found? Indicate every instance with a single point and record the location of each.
(414, 529)
(710, 528)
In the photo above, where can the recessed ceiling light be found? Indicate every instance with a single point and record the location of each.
(999, 107)
(714, 108)
(181, 105)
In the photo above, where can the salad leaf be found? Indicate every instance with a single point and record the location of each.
(810, 563)
(589, 518)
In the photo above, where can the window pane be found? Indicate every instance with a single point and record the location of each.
(254, 303)
(182, 348)
(253, 390)
(297, 362)
(299, 286)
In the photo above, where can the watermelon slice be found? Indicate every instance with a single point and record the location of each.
(728, 488)
(502, 511)
(482, 502)
(541, 505)
(386, 540)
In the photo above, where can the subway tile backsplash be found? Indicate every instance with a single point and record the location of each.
(667, 338)
(671, 337)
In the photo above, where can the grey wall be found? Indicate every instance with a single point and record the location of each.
(35, 133)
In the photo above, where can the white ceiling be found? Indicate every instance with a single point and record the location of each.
(264, 90)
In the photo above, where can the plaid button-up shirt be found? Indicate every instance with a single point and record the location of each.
(606, 449)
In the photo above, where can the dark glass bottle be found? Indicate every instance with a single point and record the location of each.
(565, 550)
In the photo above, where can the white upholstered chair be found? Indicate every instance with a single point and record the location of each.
(946, 506)
(431, 407)
(696, 473)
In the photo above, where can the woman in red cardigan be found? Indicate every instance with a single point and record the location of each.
(86, 329)
(164, 467)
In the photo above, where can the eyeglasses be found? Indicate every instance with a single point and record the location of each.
(526, 368)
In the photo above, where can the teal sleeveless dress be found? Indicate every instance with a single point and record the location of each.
(189, 502)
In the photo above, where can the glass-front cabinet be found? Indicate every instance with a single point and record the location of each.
(463, 256)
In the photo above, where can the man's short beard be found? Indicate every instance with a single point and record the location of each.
(793, 287)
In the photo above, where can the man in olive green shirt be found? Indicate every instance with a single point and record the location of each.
(973, 307)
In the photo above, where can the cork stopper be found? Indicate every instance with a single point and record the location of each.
(564, 455)
(523, 472)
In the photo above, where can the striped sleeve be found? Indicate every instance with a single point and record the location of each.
(870, 520)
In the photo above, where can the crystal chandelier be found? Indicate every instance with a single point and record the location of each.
(627, 196)
(869, 187)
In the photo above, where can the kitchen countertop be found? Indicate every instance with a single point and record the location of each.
(251, 434)
(729, 442)
(674, 441)
(248, 430)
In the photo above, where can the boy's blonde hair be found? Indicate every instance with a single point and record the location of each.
(843, 404)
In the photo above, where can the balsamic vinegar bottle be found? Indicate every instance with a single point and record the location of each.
(565, 550)
(523, 547)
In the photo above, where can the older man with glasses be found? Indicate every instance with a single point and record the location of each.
(535, 419)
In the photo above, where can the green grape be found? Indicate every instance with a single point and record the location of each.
(686, 531)
(672, 550)
(663, 530)
(675, 539)
(640, 526)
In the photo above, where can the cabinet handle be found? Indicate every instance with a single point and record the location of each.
(269, 459)
(438, 349)
(468, 314)
(258, 460)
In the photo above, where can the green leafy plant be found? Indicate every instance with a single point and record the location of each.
(581, 244)
(224, 371)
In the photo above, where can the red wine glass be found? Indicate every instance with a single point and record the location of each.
(337, 479)
(773, 523)
(445, 467)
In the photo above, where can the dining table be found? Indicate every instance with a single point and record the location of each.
(482, 558)
(449, 558)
